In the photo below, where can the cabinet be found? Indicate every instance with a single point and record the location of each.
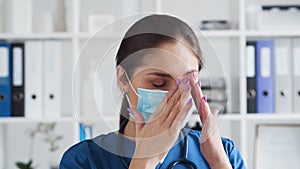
(237, 124)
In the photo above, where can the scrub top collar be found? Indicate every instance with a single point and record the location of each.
(117, 144)
(120, 145)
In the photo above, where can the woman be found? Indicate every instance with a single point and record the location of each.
(158, 63)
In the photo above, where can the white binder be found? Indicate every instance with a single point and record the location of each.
(296, 73)
(283, 76)
(52, 78)
(34, 79)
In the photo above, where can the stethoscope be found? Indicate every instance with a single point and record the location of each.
(181, 161)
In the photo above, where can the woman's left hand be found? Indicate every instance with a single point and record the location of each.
(211, 145)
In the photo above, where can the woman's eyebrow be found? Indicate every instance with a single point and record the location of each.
(191, 71)
(168, 75)
(160, 74)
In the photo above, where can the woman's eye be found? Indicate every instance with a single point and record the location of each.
(158, 85)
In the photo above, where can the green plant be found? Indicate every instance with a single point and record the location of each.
(27, 165)
(49, 137)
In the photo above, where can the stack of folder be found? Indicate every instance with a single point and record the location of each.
(273, 76)
(30, 78)
(215, 90)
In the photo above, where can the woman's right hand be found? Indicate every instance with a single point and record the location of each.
(156, 137)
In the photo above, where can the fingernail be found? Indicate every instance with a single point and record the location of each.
(199, 83)
(189, 101)
(185, 80)
(178, 82)
(195, 76)
(188, 86)
(131, 113)
(132, 116)
(204, 98)
(129, 110)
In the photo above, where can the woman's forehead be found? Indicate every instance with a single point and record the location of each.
(166, 64)
(170, 58)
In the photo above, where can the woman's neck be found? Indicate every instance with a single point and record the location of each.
(129, 130)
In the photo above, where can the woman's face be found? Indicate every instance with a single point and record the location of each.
(162, 68)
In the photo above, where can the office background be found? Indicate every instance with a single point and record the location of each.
(64, 26)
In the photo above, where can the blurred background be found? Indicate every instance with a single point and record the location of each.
(48, 76)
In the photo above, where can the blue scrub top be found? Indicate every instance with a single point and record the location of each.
(90, 154)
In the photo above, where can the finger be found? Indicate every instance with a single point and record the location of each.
(197, 83)
(200, 100)
(196, 90)
(175, 106)
(167, 104)
(178, 121)
(137, 117)
(171, 114)
(162, 104)
(204, 109)
(180, 103)
(185, 89)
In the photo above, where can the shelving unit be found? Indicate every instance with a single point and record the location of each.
(40, 36)
(230, 44)
(34, 120)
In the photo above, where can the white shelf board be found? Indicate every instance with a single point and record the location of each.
(273, 116)
(55, 35)
(8, 120)
(261, 33)
(231, 117)
(87, 35)
(221, 33)
(208, 33)
(98, 119)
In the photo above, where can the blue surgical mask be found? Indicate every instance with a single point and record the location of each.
(148, 100)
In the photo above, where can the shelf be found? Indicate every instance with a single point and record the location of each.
(231, 117)
(238, 117)
(208, 33)
(273, 116)
(220, 33)
(111, 35)
(99, 119)
(286, 33)
(56, 35)
(8, 120)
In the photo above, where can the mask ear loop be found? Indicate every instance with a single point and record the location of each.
(126, 95)
(130, 105)
(131, 86)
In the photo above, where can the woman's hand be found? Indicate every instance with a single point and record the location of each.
(211, 145)
(156, 137)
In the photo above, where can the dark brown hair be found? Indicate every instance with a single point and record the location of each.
(150, 32)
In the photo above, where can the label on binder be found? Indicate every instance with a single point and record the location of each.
(265, 62)
(3, 62)
(17, 67)
(250, 61)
